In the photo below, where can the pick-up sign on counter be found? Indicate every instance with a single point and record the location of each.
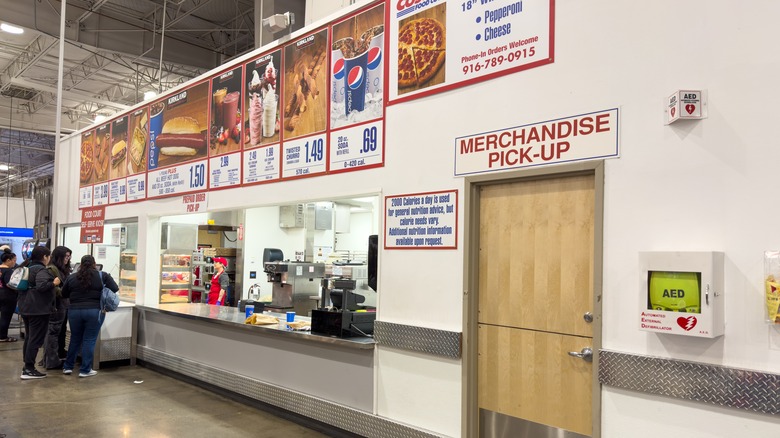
(422, 221)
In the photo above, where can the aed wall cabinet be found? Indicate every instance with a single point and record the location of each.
(682, 293)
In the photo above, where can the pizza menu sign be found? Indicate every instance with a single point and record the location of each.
(312, 107)
(443, 45)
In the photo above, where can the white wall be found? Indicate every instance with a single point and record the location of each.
(17, 213)
(698, 185)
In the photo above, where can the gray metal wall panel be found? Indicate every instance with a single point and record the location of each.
(732, 387)
(343, 417)
(419, 339)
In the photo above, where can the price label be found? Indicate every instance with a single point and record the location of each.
(261, 164)
(175, 180)
(85, 197)
(117, 191)
(304, 156)
(225, 170)
(356, 147)
(100, 194)
(136, 187)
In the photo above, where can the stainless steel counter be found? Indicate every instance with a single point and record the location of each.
(231, 316)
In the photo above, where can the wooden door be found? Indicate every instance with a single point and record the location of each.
(536, 251)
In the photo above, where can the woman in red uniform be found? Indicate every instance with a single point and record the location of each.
(219, 282)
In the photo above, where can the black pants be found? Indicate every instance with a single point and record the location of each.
(7, 308)
(35, 328)
(51, 356)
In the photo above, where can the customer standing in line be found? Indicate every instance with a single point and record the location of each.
(85, 317)
(8, 296)
(59, 267)
(35, 305)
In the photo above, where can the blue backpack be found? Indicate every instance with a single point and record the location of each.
(109, 300)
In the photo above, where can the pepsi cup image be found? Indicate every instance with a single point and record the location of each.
(337, 68)
(355, 83)
(374, 71)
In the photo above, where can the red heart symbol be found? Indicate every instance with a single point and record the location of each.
(673, 111)
(687, 323)
(690, 108)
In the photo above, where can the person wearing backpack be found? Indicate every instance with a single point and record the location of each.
(85, 317)
(36, 303)
(8, 296)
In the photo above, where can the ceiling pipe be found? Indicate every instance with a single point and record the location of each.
(162, 44)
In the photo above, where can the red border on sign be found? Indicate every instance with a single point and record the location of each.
(550, 59)
(384, 213)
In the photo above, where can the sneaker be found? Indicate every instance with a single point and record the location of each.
(89, 374)
(67, 371)
(32, 374)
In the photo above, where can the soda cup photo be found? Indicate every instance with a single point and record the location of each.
(375, 61)
(290, 316)
(250, 310)
(337, 70)
(355, 83)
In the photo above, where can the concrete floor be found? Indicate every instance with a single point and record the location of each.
(112, 404)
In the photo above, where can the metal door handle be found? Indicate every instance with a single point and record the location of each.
(586, 354)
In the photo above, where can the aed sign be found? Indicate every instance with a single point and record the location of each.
(684, 104)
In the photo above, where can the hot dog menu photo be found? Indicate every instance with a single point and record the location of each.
(178, 142)
(442, 45)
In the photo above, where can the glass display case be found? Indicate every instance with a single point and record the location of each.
(128, 260)
(175, 275)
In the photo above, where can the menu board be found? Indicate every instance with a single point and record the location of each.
(225, 129)
(86, 168)
(311, 107)
(178, 142)
(443, 45)
(357, 91)
(117, 173)
(305, 76)
(138, 129)
(261, 119)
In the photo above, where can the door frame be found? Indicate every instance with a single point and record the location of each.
(472, 185)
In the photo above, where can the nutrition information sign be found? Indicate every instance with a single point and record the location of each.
(443, 45)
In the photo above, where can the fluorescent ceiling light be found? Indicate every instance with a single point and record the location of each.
(4, 167)
(149, 95)
(5, 27)
(99, 118)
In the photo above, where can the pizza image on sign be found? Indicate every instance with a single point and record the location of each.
(422, 44)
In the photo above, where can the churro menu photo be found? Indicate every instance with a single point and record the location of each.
(305, 86)
(442, 45)
(357, 68)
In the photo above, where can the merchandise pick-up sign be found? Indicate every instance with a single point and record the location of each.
(576, 138)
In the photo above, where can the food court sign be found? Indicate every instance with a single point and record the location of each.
(576, 138)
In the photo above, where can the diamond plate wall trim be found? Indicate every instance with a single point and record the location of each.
(115, 349)
(419, 339)
(352, 420)
(732, 387)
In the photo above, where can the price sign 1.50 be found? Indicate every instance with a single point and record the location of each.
(197, 176)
